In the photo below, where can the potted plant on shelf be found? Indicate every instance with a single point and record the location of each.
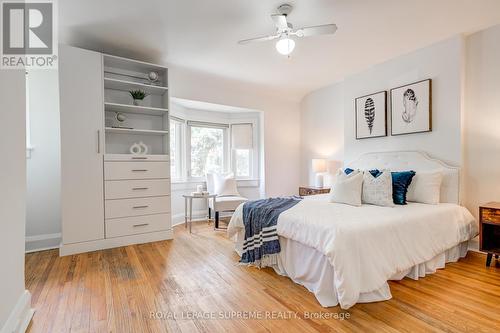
(138, 96)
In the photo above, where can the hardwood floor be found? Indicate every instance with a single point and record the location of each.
(117, 290)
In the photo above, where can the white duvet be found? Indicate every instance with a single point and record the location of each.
(367, 245)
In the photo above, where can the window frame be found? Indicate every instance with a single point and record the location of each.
(180, 137)
(225, 146)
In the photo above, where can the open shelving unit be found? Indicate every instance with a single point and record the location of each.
(124, 85)
(134, 131)
(126, 123)
(112, 197)
(127, 108)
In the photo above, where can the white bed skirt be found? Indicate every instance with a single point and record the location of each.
(310, 268)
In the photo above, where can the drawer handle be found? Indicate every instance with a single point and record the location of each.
(140, 188)
(139, 170)
(139, 158)
(138, 207)
(140, 225)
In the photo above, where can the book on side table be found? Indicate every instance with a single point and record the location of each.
(489, 230)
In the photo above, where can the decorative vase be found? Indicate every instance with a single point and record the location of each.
(135, 149)
(137, 102)
(144, 148)
(139, 148)
(153, 77)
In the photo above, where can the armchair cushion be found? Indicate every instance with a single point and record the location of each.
(229, 203)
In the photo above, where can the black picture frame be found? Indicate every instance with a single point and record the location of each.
(357, 105)
(396, 92)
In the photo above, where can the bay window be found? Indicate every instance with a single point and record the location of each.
(198, 148)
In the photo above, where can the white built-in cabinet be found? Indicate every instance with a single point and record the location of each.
(110, 197)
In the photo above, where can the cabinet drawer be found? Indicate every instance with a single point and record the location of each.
(136, 170)
(121, 189)
(138, 206)
(137, 225)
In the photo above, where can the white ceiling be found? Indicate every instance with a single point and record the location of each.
(202, 34)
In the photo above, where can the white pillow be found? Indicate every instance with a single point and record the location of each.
(425, 187)
(225, 185)
(347, 188)
(378, 190)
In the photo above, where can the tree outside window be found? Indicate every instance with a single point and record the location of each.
(207, 150)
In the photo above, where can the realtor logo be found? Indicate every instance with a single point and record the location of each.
(28, 35)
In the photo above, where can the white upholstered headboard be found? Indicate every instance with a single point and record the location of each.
(413, 160)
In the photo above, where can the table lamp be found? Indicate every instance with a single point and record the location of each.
(318, 167)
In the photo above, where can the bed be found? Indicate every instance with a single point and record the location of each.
(345, 255)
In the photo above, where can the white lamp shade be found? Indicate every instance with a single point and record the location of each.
(318, 165)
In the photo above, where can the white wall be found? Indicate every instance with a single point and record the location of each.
(482, 119)
(442, 62)
(14, 301)
(43, 217)
(322, 120)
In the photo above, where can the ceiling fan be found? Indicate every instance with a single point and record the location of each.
(285, 31)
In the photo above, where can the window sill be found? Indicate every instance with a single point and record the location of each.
(179, 185)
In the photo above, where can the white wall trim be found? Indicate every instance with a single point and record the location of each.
(42, 242)
(198, 215)
(101, 244)
(20, 316)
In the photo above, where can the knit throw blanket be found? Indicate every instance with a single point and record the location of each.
(260, 217)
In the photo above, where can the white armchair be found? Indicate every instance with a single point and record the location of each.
(227, 200)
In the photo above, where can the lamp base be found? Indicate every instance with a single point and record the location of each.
(318, 181)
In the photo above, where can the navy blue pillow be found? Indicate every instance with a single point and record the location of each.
(400, 183)
(348, 170)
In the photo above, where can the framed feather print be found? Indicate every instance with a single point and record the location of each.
(411, 108)
(371, 115)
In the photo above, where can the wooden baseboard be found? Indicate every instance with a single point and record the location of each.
(101, 244)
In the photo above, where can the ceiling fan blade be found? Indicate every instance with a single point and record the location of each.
(258, 39)
(280, 21)
(316, 30)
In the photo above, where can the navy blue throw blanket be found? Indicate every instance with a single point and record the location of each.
(260, 217)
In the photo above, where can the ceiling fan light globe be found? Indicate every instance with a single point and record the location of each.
(285, 46)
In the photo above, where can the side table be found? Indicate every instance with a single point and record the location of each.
(188, 203)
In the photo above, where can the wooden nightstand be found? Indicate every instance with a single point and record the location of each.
(489, 230)
(311, 190)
